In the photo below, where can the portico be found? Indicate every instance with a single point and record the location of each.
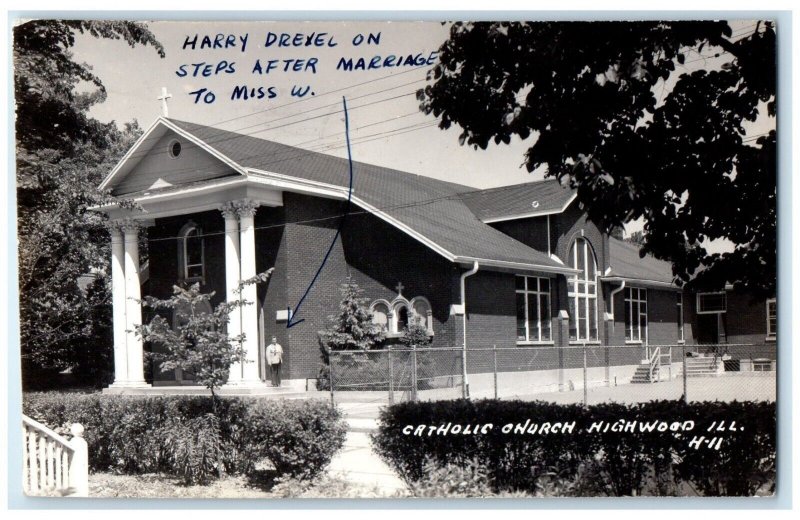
(125, 228)
(148, 188)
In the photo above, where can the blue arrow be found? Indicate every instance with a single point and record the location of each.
(291, 322)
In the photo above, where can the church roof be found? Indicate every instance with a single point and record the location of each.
(443, 215)
(628, 265)
(531, 199)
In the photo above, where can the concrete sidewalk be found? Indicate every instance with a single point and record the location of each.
(356, 462)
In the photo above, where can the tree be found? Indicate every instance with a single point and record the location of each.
(636, 238)
(352, 328)
(611, 109)
(199, 342)
(62, 155)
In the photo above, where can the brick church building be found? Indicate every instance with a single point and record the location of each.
(512, 266)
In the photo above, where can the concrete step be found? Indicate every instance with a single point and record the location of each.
(642, 374)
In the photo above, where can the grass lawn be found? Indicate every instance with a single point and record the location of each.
(108, 485)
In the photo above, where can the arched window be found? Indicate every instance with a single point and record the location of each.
(422, 313)
(191, 253)
(583, 292)
(401, 317)
(380, 314)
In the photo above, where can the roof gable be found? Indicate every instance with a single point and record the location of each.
(149, 164)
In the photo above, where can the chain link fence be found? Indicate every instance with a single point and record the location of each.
(587, 374)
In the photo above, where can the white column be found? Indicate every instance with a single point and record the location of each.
(232, 279)
(247, 248)
(133, 309)
(118, 302)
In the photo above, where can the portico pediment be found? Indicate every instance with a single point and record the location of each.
(170, 172)
(167, 156)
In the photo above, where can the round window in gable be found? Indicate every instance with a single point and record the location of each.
(174, 149)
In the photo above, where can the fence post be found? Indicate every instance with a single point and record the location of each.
(494, 354)
(685, 376)
(79, 467)
(585, 379)
(330, 375)
(414, 373)
(391, 376)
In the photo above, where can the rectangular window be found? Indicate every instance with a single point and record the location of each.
(772, 318)
(636, 315)
(679, 317)
(533, 309)
(712, 303)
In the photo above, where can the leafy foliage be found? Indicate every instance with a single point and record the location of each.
(453, 481)
(352, 328)
(52, 113)
(63, 253)
(598, 462)
(199, 343)
(179, 436)
(62, 155)
(195, 448)
(415, 336)
(612, 110)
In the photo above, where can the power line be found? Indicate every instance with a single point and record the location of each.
(303, 100)
(237, 135)
(308, 152)
(238, 131)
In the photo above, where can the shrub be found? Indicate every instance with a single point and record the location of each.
(599, 462)
(179, 436)
(452, 481)
(299, 438)
(194, 448)
(745, 463)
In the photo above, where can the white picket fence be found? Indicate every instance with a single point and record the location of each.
(51, 464)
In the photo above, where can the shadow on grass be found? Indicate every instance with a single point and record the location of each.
(263, 479)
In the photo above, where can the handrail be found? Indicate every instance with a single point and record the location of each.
(44, 430)
(53, 464)
(655, 362)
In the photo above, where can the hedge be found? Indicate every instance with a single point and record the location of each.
(179, 435)
(588, 461)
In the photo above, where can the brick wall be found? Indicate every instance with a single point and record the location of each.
(374, 254)
(746, 319)
(662, 316)
(272, 252)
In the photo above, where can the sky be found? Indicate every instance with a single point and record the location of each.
(386, 126)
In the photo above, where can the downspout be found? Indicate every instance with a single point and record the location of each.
(611, 299)
(464, 321)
